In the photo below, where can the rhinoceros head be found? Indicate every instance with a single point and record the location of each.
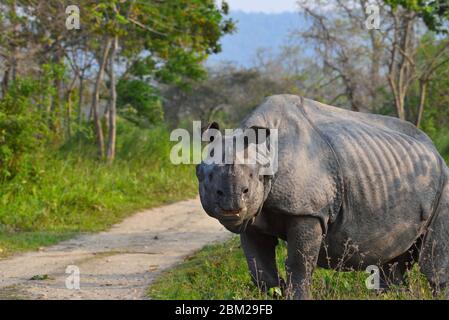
(233, 193)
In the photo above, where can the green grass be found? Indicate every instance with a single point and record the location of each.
(220, 272)
(71, 192)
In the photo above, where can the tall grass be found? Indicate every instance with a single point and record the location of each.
(71, 192)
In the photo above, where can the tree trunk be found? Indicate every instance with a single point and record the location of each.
(80, 101)
(69, 108)
(400, 102)
(96, 98)
(56, 116)
(5, 83)
(402, 61)
(422, 100)
(113, 105)
(69, 114)
(14, 60)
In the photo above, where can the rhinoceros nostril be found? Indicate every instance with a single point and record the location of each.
(220, 193)
(245, 190)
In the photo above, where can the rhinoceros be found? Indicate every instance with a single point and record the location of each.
(352, 190)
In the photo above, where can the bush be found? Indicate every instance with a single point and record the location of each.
(138, 102)
(22, 129)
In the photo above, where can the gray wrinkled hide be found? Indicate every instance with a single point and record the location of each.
(374, 186)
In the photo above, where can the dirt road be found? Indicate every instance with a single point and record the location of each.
(116, 264)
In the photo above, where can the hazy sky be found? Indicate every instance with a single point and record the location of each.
(263, 5)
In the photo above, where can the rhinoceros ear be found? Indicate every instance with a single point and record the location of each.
(212, 125)
(262, 134)
(263, 146)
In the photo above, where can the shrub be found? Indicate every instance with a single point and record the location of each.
(22, 128)
(139, 102)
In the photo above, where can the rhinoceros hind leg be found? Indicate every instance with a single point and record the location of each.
(434, 257)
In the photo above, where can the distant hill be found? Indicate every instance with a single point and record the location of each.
(257, 30)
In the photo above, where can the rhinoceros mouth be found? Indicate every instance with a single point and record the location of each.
(231, 213)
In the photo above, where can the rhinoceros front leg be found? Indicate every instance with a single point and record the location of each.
(304, 238)
(260, 252)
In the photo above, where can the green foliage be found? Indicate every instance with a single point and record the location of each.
(165, 40)
(22, 128)
(139, 102)
(435, 13)
(441, 140)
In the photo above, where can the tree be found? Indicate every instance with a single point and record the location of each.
(402, 43)
(81, 61)
(150, 41)
(347, 51)
(434, 13)
(432, 55)
(405, 43)
(388, 55)
(96, 96)
(175, 37)
(113, 103)
(227, 95)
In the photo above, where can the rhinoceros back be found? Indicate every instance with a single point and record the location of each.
(392, 172)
